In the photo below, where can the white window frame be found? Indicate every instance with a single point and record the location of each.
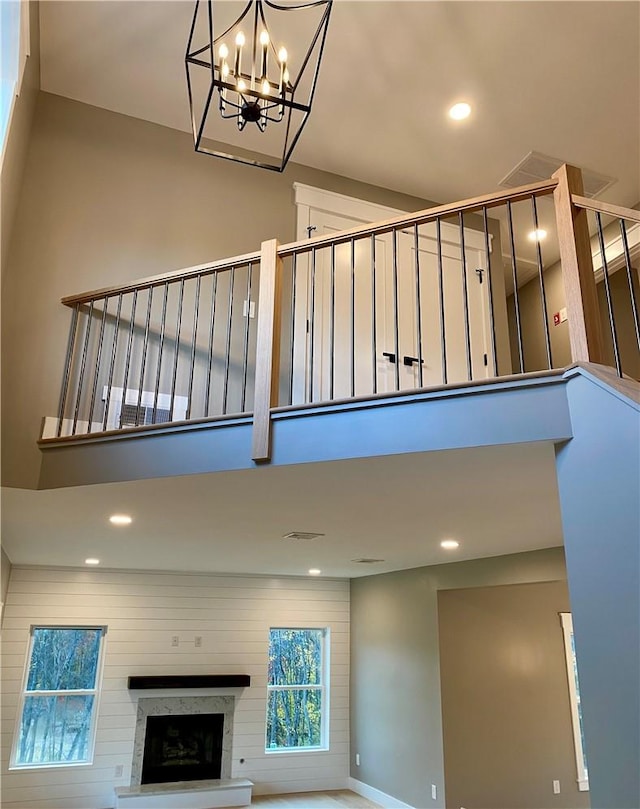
(95, 692)
(581, 762)
(323, 687)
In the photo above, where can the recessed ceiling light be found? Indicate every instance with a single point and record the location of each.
(314, 571)
(92, 561)
(449, 544)
(460, 111)
(120, 519)
(537, 235)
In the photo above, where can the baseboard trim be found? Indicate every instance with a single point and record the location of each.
(376, 795)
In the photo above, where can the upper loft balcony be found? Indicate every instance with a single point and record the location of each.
(355, 342)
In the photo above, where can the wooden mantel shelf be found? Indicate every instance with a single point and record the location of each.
(190, 681)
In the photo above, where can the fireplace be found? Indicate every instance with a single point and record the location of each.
(182, 739)
(182, 748)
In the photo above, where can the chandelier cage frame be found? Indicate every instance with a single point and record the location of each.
(250, 104)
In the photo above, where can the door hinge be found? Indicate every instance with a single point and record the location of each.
(486, 360)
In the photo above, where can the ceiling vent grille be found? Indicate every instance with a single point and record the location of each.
(304, 536)
(536, 167)
(367, 561)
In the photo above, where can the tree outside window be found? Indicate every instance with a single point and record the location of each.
(60, 696)
(296, 691)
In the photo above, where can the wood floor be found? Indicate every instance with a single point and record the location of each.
(340, 799)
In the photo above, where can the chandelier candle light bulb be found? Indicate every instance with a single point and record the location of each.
(264, 41)
(223, 53)
(239, 45)
(282, 58)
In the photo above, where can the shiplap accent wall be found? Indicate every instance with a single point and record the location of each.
(143, 611)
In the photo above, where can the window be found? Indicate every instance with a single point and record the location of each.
(60, 697)
(297, 697)
(574, 698)
(14, 47)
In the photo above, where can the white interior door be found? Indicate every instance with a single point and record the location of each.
(342, 350)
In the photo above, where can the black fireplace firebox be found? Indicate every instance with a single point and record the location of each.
(182, 748)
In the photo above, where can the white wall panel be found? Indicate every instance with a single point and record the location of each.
(143, 611)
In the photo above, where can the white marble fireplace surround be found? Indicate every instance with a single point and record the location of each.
(181, 705)
(225, 791)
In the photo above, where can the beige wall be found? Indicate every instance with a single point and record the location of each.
(505, 699)
(532, 324)
(15, 155)
(625, 325)
(534, 348)
(106, 199)
(396, 712)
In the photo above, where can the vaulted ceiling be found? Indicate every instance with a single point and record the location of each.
(561, 78)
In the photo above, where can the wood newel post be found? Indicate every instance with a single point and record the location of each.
(267, 377)
(577, 268)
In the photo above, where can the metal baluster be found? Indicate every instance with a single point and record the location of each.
(396, 324)
(441, 297)
(174, 375)
(516, 298)
(214, 291)
(543, 296)
(245, 353)
(353, 316)
(607, 289)
(196, 313)
(143, 361)
(374, 341)
(163, 320)
(313, 322)
(127, 363)
(332, 324)
(67, 368)
(112, 365)
(416, 247)
(492, 323)
(227, 356)
(94, 387)
(632, 292)
(294, 268)
(82, 367)
(465, 292)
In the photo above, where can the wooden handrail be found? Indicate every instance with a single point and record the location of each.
(605, 208)
(407, 220)
(422, 217)
(160, 280)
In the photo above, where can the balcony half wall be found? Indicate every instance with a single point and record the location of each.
(509, 411)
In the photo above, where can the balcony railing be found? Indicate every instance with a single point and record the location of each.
(451, 295)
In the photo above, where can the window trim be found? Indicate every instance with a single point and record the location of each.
(95, 691)
(581, 763)
(323, 687)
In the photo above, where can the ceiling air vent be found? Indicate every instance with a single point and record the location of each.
(302, 535)
(366, 561)
(537, 167)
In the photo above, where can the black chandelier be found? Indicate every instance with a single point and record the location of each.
(259, 73)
